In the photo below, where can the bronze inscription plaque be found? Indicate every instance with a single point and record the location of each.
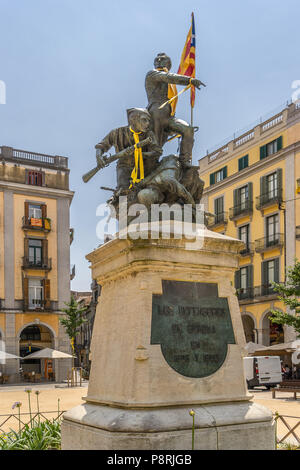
(193, 326)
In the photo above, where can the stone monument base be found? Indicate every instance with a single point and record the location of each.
(167, 338)
(230, 426)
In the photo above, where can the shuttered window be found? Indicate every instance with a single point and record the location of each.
(271, 148)
(243, 162)
(218, 176)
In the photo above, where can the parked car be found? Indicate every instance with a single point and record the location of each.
(262, 370)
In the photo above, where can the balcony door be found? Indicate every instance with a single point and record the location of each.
(35, 293)
(272, 230)
(35, 252)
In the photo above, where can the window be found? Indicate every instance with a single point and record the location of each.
(243, 162)
(31, 333)
(272, 229)
(219, 209)
(35, 293)
(218, 175)
(244, 234)
(271, 148)
(244, 282)
(243, 196)
(272, 185)
(270, 273)
(35, 178)
(35, 252)
(244, 276)
(34, 211)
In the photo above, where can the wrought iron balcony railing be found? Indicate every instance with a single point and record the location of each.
(272, 197)
(248, 250)
(250, 293)
(263, 290)
(246, 293)
(45, 263)
(244, 208)
(267, 243)
(218, 219)
(37, 304)
(30, 223)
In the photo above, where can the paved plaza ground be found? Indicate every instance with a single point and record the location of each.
(70, 397)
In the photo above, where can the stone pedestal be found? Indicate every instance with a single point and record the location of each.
(138, 396)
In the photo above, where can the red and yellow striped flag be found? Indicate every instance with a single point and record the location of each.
(187, 62)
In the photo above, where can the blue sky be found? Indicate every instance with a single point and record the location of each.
(73, 67)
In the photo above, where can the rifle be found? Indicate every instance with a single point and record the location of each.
(106, 160)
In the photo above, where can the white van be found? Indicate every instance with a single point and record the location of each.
(262, 370)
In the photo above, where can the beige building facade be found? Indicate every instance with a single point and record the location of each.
(34, 257)
(252, 190)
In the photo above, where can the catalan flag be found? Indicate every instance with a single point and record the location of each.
(187, 62)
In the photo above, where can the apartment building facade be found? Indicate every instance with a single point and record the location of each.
(34, 257)
(252, 191)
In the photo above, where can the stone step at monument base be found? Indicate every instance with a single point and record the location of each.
(230, 426)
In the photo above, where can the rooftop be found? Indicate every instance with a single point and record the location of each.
(18, 156)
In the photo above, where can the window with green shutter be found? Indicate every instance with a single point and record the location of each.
(243, 162)
(218, 176)
(271, 148)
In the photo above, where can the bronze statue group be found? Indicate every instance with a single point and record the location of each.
(142, 175)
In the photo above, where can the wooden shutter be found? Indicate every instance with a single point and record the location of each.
(276, 270)
(263, 189)
(279, 143)
(279, 182)
(264, 273)
(224, 170)
(250, 276)
(237, 279)
(44, 210)
(45, 251)
(26, 210)
(263, 152)
(240, 164)
(25, 292)
(235, 197)
(250, 194)
(26, 247)
(46, 286)
(212, 178)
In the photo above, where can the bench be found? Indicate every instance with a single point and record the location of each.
(286, 389)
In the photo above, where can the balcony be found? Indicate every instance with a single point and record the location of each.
(30, 223)
(39, 305)
(245, 294)
(218, 219)
(270, 242)
(45, 263)
(264, 290)
(248, 250)
(252, 293)
(242, 209)
(269, 199)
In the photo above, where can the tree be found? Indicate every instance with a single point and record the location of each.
(72, 320)
(289, 294)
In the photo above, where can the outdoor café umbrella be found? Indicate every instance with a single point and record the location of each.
(279, 349)
(48, 353)
(4, 355)
(252, 347)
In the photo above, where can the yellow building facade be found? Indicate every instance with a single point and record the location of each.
(252, 192)
(34, 258)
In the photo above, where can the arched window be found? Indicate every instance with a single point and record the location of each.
(31, 333)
